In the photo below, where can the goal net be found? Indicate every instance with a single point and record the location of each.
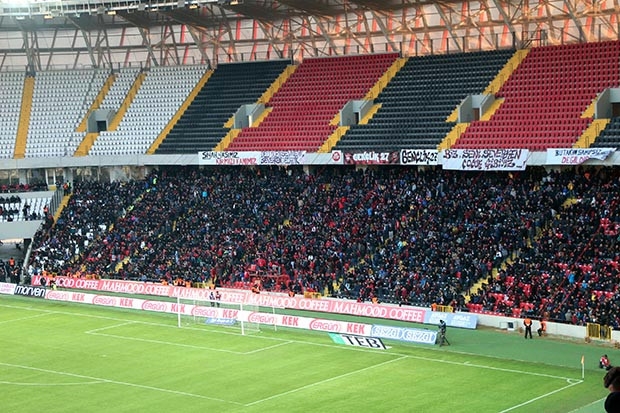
(239, 316)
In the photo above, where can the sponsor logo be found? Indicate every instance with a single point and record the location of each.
(358, 341)
(58, 295)
(30, 291)
(261, 318)
(410, 335)
(325, 325)
(104, 300)
(220, 321)
(154, 306)
(204, 312)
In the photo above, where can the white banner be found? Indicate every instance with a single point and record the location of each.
(228, 158)
(419, 157)
(330, 158)
(485, 159)
(576, 156)
(7, 288)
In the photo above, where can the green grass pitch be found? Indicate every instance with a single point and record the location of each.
(59, 357)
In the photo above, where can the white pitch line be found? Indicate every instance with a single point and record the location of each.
(268, 347)
(318, 383)
(122, 383)
(97, 330)
(25, 318)
(15, 383)
(541, 397)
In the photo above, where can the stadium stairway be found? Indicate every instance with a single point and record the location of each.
(96, 103)
(116, 120)
(89, 139)
(63, 203)
(24, 118)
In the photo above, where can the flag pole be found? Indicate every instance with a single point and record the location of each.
(582, 367)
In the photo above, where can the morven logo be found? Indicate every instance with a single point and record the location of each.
(30, 291)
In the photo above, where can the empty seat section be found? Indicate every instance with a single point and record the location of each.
(201, 127)
(154, 104)
(417, 101)
(11, 90)
(311, 97)
(545, 97)
(60, 101)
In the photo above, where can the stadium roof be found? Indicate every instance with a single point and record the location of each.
(80, 33)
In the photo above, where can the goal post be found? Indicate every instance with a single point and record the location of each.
(193, 312)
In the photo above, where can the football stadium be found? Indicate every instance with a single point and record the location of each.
(309, 206)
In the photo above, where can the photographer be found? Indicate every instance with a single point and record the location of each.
(441, 334)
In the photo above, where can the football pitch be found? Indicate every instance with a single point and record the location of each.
(62, 357)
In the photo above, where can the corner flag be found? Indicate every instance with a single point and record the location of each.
(582, 366)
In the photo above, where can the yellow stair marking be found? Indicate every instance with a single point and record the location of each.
(116, 120)
(24, 118)
(506, 71)
(382, 82)
(277, 84)
(186, 103)
(589, 135)
(227, 140)
(589, 112)
(97, 102)
(333, 139)
(452, 136)
(86, 144)
(63, 203)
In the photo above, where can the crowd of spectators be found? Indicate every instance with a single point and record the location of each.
(405, 235)
(26, 187)
(570, 271)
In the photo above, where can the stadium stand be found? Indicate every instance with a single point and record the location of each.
(161, 94)
(545, 97)
(404, 236)
(610, 136)
(201, 127)
(12, 84)
(416, 103)
(304, 106)
(51, 132)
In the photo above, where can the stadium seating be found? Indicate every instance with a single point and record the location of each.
(125, 78)
(163, 91)
(201, 127)
(61, 100)
(11, 88)
(419, 99)
(546, 96)
(314, 94)
(610, 136)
